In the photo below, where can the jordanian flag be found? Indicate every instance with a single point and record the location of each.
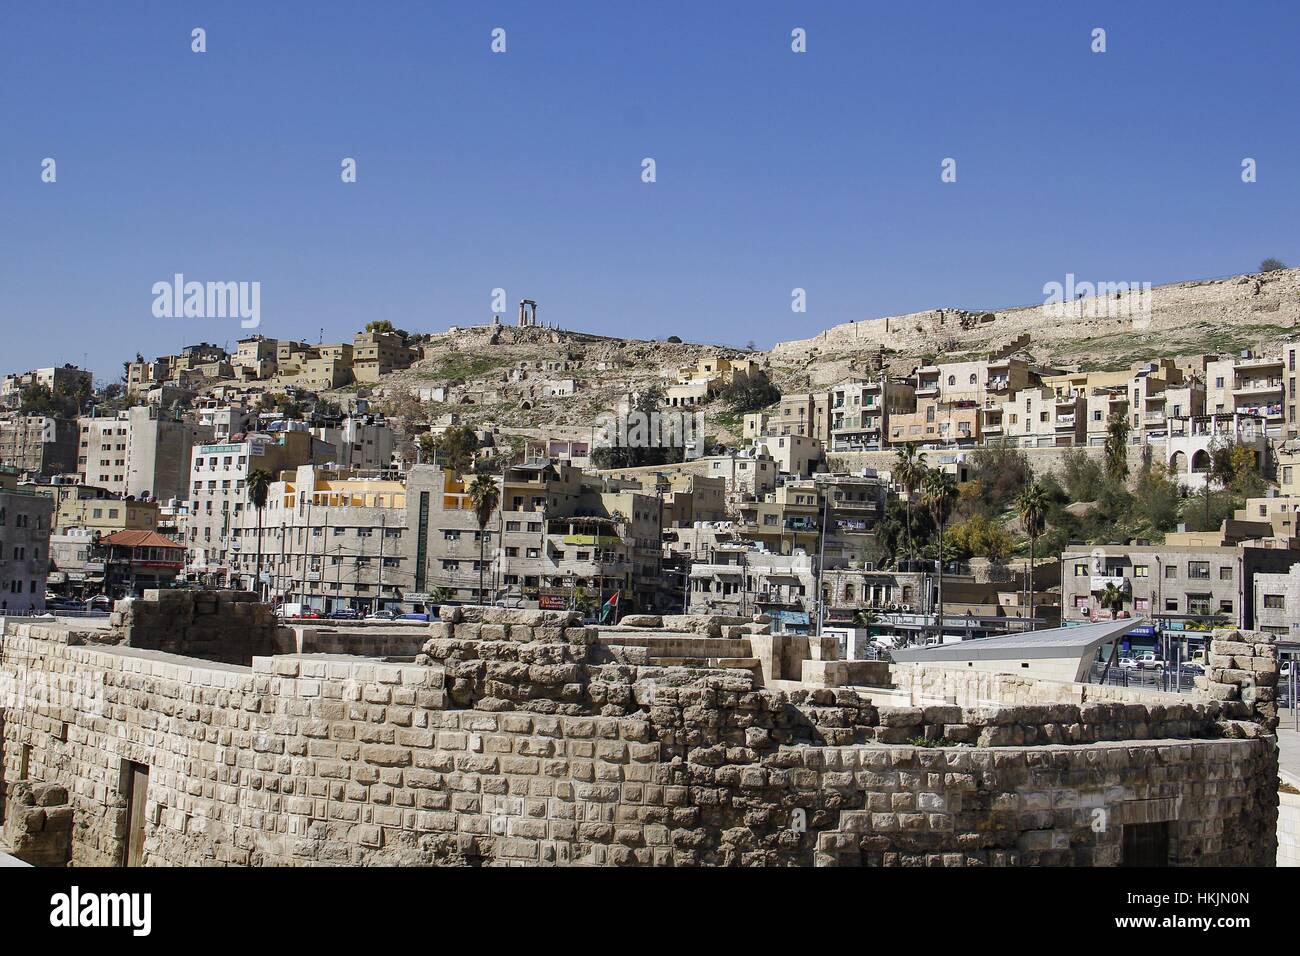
(609, 610)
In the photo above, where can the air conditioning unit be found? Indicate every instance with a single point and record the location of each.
(905, 607)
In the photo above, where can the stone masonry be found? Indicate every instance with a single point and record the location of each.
(522, 738)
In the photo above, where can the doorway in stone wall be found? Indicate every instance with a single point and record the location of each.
(1145, 844)
(135, 784)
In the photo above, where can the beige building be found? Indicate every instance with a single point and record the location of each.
(106, 515)
(937, 422)
(379, 353)
(142, 452)
(860, 411)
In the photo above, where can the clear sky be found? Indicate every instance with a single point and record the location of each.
(522, 170)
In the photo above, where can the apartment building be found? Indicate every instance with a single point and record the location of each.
(1038, 418)
(106, 515)
(1277, 602)
(699, 383)
(1191, 443)
(973, 381)
(937, 422)
(1190, 582)
(807, 413)
(142, 452)
(38, 444)
(740, 580)
(218, 491)
(563, 533)
(257, 355)
(25, 528)
(796, 455)
(1251, 385)
(364, 442)
(61, 379)
(860, 411)
(333, 540)
(378, 353)
(744, 474)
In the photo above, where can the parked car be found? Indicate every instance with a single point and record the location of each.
(414, 616)
(343, 614)
(381, 616)
(1191, 667)
(1149, 662)
(1128, 664)
(310, 615)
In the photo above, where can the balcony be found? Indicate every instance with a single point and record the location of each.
(1258, 387)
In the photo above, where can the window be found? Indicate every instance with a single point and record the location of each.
(1225, 573)
(1141, 571)
(1198, 570)
(1198, 604)
(1275, 602)
(1081, 569)
(1171, 571)
(1171, 604)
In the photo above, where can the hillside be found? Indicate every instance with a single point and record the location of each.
(508, 376)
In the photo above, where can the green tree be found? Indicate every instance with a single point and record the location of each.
(456, 448)
(909, 466)
(485, 496)
(939, 495)
(258, 488)
(1116, 449)
(1031, 505)
(1112, 598)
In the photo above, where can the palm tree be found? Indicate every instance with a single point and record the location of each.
(1031, 505)
(485, 496)
(1116, 451)
(908, 468)
(258, 488)
(940, 494)
(1112, 598)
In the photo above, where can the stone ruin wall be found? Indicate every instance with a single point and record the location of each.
(532, 743)
(1272, 299)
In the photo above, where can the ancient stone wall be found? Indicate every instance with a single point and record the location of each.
(228, 626)
(516, 742)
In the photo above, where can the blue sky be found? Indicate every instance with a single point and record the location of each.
(522, 170)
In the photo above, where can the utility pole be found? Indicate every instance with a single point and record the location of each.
(379, 597)
(821, 554)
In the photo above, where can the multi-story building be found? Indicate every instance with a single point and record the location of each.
(973, 381)
(860, 411)
(1191, 582)
(142, 452)
(106, 515)
(796, 455)
(378, 353)
(1249, 384)
(24, 545)
(699, 383)
(60, 380)
(38, 444)
(218, 490)
(808, 413)
(136, 561)
(740, 580)
(1191, 442)
(1038, 418)
(1277, 602)
(364, 442)
(937, 422)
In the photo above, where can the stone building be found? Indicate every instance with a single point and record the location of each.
(25, 527)
(521, 738)
(142, 452)
(39, 445)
